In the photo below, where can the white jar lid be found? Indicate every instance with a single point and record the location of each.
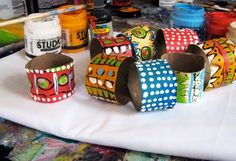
(41, 23)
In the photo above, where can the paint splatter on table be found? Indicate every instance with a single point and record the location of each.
(19, 143)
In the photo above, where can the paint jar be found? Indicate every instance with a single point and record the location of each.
(89, 4)
(121, 3)
(231, 34)
(100, 21)
(167, 4)
(74, 30)
(189, 16)
(42, 36)
(217, 23)
(11, 9)
(35, 6)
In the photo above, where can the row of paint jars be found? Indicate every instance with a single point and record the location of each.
(67, 33)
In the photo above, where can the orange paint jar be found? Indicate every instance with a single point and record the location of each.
(74, 30)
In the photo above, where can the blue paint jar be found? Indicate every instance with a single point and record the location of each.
(189, 16)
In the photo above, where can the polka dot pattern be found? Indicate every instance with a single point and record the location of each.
(177, 40)
(158, 85)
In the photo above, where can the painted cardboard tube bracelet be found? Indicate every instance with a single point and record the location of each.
(110, 46)
(51, 77)
(152, 85)
(106, 78)
(174, 40)
(219, 61)
(142, 38)
(190, 72)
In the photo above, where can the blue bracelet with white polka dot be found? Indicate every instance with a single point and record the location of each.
(158, 85)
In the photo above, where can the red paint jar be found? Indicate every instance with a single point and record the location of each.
(217, 23)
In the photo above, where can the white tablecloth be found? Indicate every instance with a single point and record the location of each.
(206, 129)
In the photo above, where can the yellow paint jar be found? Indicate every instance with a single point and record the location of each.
(74, 30)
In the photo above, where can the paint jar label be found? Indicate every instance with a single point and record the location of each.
(36, 47)
(102, 30)
(74, 38)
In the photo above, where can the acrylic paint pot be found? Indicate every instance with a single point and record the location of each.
(231, 34)
(42, 36)
(189, 16)
(107, 76)
(121, 3)
(51, 77)
(219, 55)
(74, 30)
(217, 23)
(190, 72)
(38, 6)
(11, 9)
(152, 85)
(167, 4)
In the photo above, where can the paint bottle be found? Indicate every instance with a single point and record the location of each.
(100, 21)
(42, 36)
(231, 34)
(11, 9)
(36, 6)
(189, 16)
(121, 3)
(89, 4)
(74, 30)
(167, 4)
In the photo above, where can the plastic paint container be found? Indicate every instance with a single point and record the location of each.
(231, 34)
(35, 6)
(217, 23)
(11, 9)
(74, 30)
(189, 16)
(167, 3)
(121, 3)
(100, 21)
(42, 36)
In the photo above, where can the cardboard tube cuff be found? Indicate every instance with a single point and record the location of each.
(174, 40)
(152, 85)
(51, 77)
(190, 73)
(142, 38)
(219, 60)
(110, 46)
(106, 78)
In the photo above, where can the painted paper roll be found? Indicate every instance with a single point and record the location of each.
(51, 77)
(152, 85)
(110, 46)
(190, 72)
(142, 38)
(174, 40)
(219, 61)
(106, 78)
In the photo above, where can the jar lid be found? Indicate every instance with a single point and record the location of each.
(43, 22)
